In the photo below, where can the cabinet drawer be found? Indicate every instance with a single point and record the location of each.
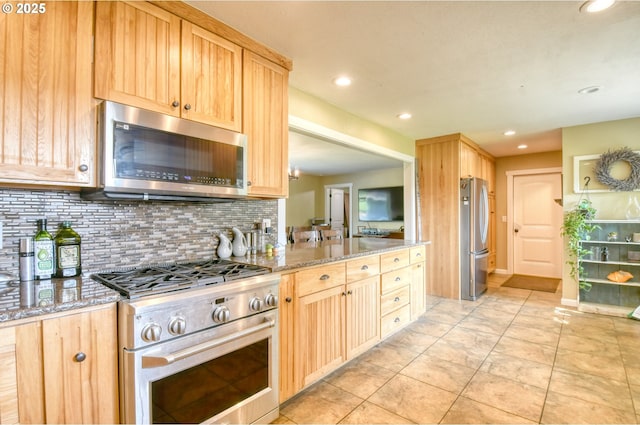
(320, 278)
(394, 260)
(395, 299)
(361, 268)
(395, 320)
(395, 279)
(418, 254)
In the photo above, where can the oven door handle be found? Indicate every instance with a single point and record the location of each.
(157, 361)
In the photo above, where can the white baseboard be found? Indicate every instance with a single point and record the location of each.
(500, 271)
(569, 302)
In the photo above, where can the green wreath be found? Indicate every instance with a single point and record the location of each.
(603, 169)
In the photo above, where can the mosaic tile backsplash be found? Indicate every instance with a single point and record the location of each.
(126, 234)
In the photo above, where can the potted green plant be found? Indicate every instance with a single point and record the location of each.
(577, 227)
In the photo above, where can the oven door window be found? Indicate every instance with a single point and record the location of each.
(201, 392)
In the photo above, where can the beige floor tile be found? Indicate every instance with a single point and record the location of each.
(439, 373)
(588, 320)
(561, 409)
(389, 356)
(323, 403)
(630, 356)
(414, 341)
(633, 376)
(481, 324)
(283, 420)
(430, 327)
(518, 369)
(480, 341)
(467, 411)
(593, 389)
(360, 378)
(437, 314)
(412, 399)
(486, 312)
(589, 346)
(598, 334)
(369, 413)
(539, 320)
(635, 396)
(526, 350)
(508, 395)
(457, 353)
(624, 325)
(630, 340)
(538, 336)
(499, 305)
(590, 363)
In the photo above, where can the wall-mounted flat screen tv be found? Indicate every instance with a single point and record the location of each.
(381, 204)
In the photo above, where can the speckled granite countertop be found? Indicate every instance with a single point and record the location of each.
(21, 300)
(313, 253)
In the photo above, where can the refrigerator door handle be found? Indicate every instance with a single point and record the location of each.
(484, 196)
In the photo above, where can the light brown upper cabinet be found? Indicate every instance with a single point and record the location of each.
(47, 126)
(150, 58)
(265, 105)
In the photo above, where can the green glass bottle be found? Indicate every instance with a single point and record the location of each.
(68, 260)
(43, 249)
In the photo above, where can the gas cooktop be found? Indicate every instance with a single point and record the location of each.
(153, 280)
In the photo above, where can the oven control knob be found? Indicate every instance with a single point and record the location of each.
(255, 304)
(221, 314)
(177, 326)
(271, 300)
(151, 332)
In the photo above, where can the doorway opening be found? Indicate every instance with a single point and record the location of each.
(337, 207)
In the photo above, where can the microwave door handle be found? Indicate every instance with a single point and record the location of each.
(149, 362)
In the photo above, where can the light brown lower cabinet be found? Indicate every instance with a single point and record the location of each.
(61, 370)
(332, 313)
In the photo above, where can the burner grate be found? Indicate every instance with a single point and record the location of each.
(139, 282)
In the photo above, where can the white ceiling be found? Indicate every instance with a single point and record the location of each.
(475, 67)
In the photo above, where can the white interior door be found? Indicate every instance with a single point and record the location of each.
(537, 218)
(336, 209)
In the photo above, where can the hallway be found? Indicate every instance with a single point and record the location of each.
(513, 356)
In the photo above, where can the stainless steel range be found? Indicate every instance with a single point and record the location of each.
(198, 342)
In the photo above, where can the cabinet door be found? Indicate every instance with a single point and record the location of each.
(265, 118)
(137, 55)
(363, 316)
(418, 290)
(211, 78)
(468, 161)
(81, 389)
(21, 375)
(319, 334)
(288, 385)
(47, 123)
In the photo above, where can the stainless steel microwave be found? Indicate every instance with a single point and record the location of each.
(147, 155)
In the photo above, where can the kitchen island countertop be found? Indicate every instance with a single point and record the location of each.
(306, 254)
(31, 299)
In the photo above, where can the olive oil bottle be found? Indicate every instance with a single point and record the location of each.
(43, 249)
(67, 243)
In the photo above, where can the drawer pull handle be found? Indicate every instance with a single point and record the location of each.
(396, 299)
(80, 357)
(288, 299)
(349, 292)
(419, 254)
(324, 277)
(398, 278)
(344, 294)
(396, 320)
(396, 260)
(365, 267)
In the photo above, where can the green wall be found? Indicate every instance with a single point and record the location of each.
(310, 108)
(595, 139)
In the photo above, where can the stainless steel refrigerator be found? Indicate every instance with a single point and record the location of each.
(474, 230)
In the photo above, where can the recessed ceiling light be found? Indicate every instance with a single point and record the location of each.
(404, 116)
(589, 90)
(342, 81)
(522, 146)
(593, 6)
(509, 132)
